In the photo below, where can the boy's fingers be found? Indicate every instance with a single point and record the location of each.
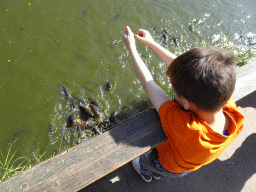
(138, 37)
(141, 31)
(128, 30)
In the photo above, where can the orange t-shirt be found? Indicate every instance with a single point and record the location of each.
(191, 142)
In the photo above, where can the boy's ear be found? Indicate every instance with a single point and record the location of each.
(186, 104)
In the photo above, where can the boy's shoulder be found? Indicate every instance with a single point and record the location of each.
(172, 113)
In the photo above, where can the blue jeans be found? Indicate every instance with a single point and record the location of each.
(150, 164)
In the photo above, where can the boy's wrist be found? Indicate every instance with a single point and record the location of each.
(132, 48)
(152, 44)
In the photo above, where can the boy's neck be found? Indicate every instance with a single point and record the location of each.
(210, 117)
(214, 119)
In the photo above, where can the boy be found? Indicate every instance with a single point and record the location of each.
(201, 121)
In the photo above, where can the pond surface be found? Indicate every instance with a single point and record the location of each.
(79, 44)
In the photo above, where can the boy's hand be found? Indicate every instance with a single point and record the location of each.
(128, 38)
(144, 37)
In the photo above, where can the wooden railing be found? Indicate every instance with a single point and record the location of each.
(93, 159)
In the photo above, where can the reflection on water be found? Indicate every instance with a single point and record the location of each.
(79, 44)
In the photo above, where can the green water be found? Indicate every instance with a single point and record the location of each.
(48, 42)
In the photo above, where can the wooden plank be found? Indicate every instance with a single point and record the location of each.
(91, 160)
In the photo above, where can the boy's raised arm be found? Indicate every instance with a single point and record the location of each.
(145, 37)
(155, 93)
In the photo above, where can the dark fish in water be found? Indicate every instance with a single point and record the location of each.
(94, 103)
(84, 12)
(164, 31)
(96, 130)
(80, 56)
(85, 112)
(119, 58)
(190, 27)
(15, 135)
(66, 91)
(78, 141)
(50, 128)
(112, 117)
(142, 56)
(176, 41)
(116, 16)
(152, 28)
(115, 43)
(79, 130)
(248, 39)
(70, 121)
(106, 122)
(164, 35)
(79, 100)
(72, 105)
(94, 109)
(109, 84)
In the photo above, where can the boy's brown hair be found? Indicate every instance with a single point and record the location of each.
(205, 76)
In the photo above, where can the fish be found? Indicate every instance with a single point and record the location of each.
(115, 43)
(96, 130)
(84, 12)
(78, 141)
(85, 113)
(112, 117)
(109, 84)
(72, 105)
(79, 100)
(116, 16)
(79, 130)
(94, 109)
(70, 121)
(80, 56)
(15, 135)
(190, 27)
(119, 58)
(164, 34)
(176, 41)
(164, 31)
(152, 28)
(66, 91)
(94, 103)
